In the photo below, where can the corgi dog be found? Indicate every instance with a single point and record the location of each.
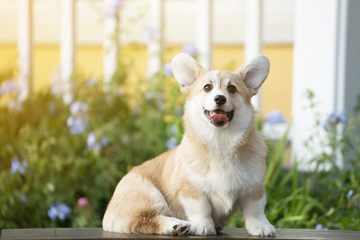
(218, 167)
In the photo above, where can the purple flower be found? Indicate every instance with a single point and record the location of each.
(190, 49)
(17, 166)
(167, 70)
(59, 210)
(82, 202)
(112, 7)
(9, 86)
(275, 117)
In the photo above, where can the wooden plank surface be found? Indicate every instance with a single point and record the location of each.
(230, 233)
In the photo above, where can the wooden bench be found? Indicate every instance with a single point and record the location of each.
(230, 233)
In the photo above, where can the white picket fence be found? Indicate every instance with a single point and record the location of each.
(155, 45)
(326, 52)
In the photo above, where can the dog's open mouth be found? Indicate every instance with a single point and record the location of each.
(219, 117)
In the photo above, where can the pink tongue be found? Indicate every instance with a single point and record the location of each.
(219, 117)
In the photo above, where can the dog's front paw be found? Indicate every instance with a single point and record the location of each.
(180, 229)
(260, 228)
(203, 230)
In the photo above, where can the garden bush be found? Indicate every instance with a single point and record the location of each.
(60, 163)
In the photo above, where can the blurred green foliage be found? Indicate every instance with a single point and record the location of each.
(57, 153)
(327, 197)
(54, 155)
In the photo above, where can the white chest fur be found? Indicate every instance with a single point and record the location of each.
(226, 181)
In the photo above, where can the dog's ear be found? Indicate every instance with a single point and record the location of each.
(186, 70)
(255, 73)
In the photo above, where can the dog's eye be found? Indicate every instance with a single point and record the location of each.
(207, 88)
(231, 89)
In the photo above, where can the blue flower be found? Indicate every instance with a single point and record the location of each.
(349, 194)
(190, 49)
(167, 70)
(326, 123)
(76, 125)
(174, 129)
(52, 212)
(63, 211)
(149, 95)
(17, 166)
(341, 117)
(179, 112)
(275, 117)
(320, 227)
(171, 143)
(104, 141)
(59, 210)
(78, 107)
(334, 119)
(23, 197)
(9, 86)
(150, 33)
(91, 82)
(91, 139)
(112, 7)
(92, 143)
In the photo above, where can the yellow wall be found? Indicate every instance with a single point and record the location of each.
(8, 57)
(276, 89)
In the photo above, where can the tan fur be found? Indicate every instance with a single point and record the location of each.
(196, 187)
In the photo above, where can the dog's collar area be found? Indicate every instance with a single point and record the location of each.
(219, 117)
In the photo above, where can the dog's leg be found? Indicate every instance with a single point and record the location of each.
(198, 212)
(141, 210)
(256, 222)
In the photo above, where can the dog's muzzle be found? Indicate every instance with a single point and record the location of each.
(219, 117)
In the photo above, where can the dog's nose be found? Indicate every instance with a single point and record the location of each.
(220, 99)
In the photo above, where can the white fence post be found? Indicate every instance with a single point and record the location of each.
(67, 46)
(204, 39)
(110, 42)
(253, 38)
(155, 45)
(325, 62)
(25, 48)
